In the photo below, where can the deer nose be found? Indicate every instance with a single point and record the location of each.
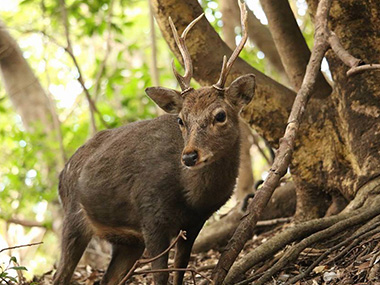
(190, 159)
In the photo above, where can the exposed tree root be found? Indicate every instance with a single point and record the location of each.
(294, 251)
(310, 232)
(363, 232)
(217, 234)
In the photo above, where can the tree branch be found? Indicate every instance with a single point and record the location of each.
(19, 246)
(25, 223)
(356, 65)
(258, 33)
(284, 153)
(291, 45)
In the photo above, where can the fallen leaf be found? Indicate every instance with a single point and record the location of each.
(319, 269)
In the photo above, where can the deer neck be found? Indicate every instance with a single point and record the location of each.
(212, 185)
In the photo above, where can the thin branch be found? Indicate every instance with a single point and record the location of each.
(153, 65)
(261, 150)
(273, 222)
(25, 223)
(359, 69)
(53, 109)
(284, 153)
(356, 65)
(182, 234)
(19, 246)
(189, 269)
(108, 49)
(69, 50)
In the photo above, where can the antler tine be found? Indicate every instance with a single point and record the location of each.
(184, 81)
(226, 67)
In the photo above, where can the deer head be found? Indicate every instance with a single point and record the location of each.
(208, 117)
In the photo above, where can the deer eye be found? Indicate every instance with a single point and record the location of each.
(220, 117)
(180, 122)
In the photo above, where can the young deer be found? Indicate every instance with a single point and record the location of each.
(139, 185)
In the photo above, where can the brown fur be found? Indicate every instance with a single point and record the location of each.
(130, 186)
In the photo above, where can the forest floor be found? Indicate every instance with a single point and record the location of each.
(360, 265)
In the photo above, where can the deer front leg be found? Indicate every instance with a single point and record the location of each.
(156, 242)
(183, 251)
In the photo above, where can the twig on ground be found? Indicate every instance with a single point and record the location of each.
(362, 232)
(291, 254)
(206, 267)
(19, 246)
(273, 222)
(279, 241)
(182, 234)
(284, 153)
(355, 242)
(189, 269)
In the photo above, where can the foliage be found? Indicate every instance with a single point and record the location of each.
(5, 272)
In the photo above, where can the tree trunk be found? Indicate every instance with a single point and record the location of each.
(25, 91)
(338, 149)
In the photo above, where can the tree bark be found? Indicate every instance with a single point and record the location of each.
(338, 147)
(272, 100)
(25, 91)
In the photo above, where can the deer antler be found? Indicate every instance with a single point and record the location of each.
(184, 81)
(226, 66)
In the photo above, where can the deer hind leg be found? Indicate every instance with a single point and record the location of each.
(75, 238)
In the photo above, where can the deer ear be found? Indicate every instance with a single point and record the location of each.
(168, 100)
(241, 90)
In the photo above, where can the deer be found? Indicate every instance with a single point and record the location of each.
(138, 185)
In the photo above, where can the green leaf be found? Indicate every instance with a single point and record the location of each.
(14, 259)
(19, 268)
(26, 2)
(12, 279)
